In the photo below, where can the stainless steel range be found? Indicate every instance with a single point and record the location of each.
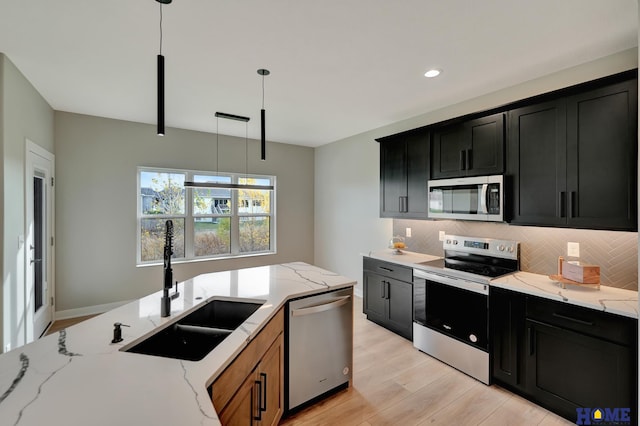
(451, 301)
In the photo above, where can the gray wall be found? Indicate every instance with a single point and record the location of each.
(96, 203)
(350, 227)
(24, 114)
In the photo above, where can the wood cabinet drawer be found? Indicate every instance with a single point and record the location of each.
(388, 269)
(231, 379)
(598, 324)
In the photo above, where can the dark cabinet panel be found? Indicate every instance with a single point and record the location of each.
(375, 301)
(471, 148)
(388, 301)
(404, 172)
(601, 165)
(568, 370)
(507, 315)
(537, 163)
(563, 356)
(573, 161)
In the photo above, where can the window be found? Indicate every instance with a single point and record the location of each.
(208, 223)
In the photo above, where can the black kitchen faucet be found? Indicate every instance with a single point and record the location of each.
(165, 302)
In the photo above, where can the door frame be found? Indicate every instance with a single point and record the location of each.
(31, 150)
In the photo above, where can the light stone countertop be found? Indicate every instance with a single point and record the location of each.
(607, 299)
(407, 258)
(78, 377)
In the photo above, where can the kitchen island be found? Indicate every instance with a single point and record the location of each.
(78, 377)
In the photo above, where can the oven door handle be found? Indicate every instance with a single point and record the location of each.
(453, 282)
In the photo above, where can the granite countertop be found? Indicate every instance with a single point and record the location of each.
(78, 377)
(608, 299)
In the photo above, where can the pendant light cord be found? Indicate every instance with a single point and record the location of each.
(246, 152)
(217, 146)
(262, 91)
(161, 29)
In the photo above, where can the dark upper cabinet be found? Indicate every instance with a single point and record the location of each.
(572, 161)
(471, 148)
(537, 163)
(404, 172)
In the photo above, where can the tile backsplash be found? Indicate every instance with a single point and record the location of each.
(615, 252)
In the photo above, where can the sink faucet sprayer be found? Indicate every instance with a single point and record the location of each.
(165, 302)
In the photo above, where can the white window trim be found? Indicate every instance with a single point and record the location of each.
(189, 217)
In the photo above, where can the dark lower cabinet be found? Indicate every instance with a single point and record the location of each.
(507, 313)
(566, 370)
(564, 357)
(388, 301)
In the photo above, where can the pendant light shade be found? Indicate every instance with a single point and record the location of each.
(263, 139)
(160, 95)
(160, 78)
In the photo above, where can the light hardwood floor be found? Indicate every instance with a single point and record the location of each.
(395, 384)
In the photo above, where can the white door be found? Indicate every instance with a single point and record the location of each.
(39, 249)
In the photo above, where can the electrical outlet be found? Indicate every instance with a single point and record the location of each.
(573, 249)
(408, 232)
(441, 235)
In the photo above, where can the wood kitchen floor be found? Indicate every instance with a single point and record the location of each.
(395, 384)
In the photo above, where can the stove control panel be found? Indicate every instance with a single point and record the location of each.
(486, 246)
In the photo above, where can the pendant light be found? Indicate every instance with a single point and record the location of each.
(160, 74)
(263, 141)
(219, 115)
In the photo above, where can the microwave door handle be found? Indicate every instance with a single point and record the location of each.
(483, 198)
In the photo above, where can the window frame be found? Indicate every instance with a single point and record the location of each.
(189, 217)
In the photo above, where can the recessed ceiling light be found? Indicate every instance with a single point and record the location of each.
(432, 73)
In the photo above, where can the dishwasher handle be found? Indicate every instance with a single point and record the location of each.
(327, 306)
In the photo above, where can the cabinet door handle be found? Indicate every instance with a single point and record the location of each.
(561, 203)
(576, 320)
(382, 289)
(259, 416)
(531, 341)
(572, 199)
(388, 289)
(385, 269)
(462, 160)
(468, 159)
(263, 403)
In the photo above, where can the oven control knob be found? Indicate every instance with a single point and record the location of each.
(455, 242)
(448, 241)
(510, 248)
(501, 247)
(473, 338)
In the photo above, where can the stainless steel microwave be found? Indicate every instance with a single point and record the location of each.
(472, 198)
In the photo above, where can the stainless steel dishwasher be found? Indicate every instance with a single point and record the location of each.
(319, 346)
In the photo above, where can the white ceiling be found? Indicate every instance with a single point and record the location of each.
(338, 67)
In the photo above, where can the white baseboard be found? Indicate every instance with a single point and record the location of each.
(88, 310)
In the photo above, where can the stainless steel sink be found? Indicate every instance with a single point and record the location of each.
(194, 336)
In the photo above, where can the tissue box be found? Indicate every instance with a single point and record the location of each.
(581, 272)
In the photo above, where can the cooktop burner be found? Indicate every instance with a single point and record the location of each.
(482, 257)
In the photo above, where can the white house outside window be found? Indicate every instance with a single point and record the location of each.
(208, 223)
